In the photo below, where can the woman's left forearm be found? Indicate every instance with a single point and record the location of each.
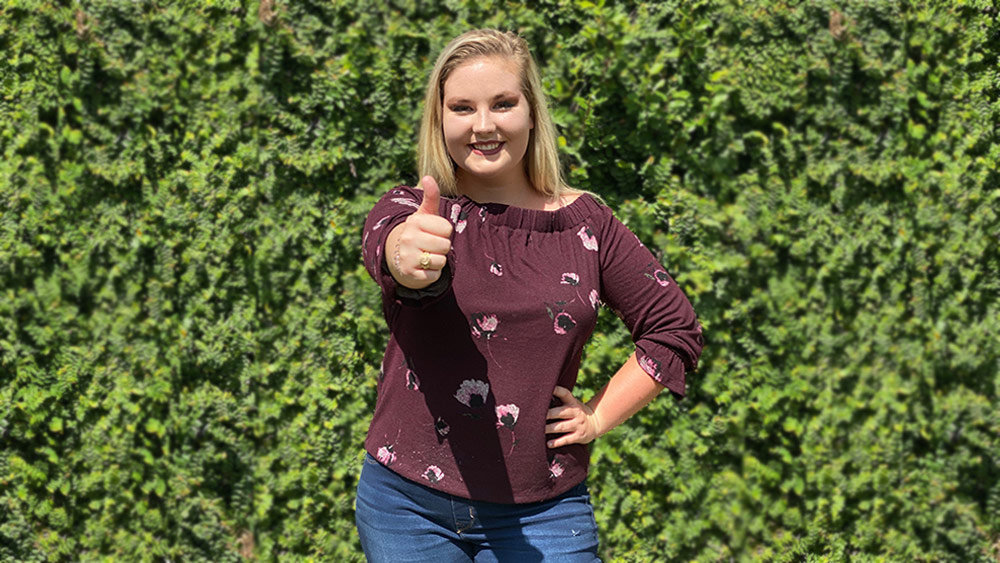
(581, 423)
(625, 394)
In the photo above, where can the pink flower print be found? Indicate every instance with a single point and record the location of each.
(507, 416)
(661, 278)
(458, 217)
(594, 298)
(472, 393)
(571, 278)
(563, 322)
(412, 383)
(406, 201)
(588, 238)
(385, 455)
(433, 474)
(482, 214)
(485, 325)
(495, 268)
(658, 275)
(555, 469)
(381, 223)
(650, 366)
(442, 427)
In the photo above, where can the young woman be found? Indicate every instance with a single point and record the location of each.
(491, 275)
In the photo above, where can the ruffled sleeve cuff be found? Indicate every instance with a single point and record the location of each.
(663, 365)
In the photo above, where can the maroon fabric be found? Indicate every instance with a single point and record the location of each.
(468, 374)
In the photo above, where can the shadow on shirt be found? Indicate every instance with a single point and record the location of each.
(438, 342)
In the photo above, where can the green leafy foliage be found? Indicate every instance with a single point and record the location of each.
(189, 343)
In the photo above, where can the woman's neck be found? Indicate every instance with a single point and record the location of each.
(515, 191)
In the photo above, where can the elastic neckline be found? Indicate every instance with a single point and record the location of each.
(533, 219)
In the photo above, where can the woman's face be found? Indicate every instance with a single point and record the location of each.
(486, 119)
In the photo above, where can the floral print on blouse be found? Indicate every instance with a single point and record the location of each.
(471, 363)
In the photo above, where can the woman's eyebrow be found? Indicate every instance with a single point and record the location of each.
(501, 95)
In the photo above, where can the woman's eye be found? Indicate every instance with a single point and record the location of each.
(460, 109)
(505, 104)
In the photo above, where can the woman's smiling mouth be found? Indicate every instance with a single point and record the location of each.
(487, 148)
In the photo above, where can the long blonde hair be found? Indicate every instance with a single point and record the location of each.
(542, 155)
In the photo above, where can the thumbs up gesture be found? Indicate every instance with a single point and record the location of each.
(416, 250)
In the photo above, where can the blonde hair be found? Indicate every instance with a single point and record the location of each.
(541, 159)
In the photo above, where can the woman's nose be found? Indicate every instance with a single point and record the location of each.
(484, 123)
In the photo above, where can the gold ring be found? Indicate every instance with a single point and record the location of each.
(425, 260)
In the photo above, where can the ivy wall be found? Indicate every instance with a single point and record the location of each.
(189, 341)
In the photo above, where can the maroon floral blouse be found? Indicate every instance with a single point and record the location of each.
(469, 370)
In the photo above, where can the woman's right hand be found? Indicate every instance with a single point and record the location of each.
(424, 237)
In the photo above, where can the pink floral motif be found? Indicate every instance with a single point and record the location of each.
(482, 214)
(442, 427)
(555, 469)
(472, 393)
(588, 238)
(458, 217)
(433, 474)
(570, 278)
(650, 366)
(660, 277)
(507, 416)
(385, 455)
(563, 322)
(412, 383)
(484, 325)
(495, 268)
(406, 201)
(381, 223)
(594, 298)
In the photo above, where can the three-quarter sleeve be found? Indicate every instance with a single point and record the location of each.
(639, 290)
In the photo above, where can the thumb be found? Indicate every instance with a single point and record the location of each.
(432, 196)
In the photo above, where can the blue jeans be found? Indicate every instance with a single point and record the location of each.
(399, 520)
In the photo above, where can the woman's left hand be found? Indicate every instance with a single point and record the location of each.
(575, 420)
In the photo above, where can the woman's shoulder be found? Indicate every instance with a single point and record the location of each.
(568, 196)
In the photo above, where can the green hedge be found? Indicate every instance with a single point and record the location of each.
(188, 340)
